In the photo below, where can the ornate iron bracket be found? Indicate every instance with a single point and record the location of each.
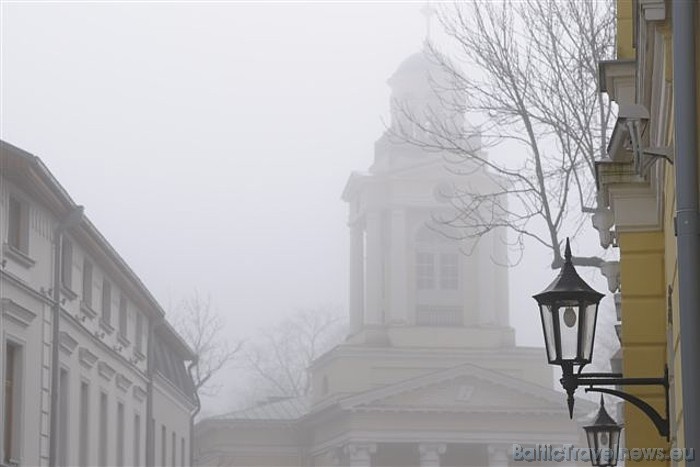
(570, 381)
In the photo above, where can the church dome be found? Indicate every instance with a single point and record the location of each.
(415, 71)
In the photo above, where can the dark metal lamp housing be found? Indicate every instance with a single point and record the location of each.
(568, 309)
(603, 438)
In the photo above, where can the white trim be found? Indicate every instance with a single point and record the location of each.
(106, 371)
(17, 313)
(67, 343)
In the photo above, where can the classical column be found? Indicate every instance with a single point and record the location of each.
(374, 277)
(487, 295)
(357, 277)
(498, 455)
(430, 454)
(360, 454)
(399, 281)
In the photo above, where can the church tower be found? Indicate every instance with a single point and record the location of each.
(420, 301)
(410, 283)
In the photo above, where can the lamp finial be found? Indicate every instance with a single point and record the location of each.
(567, 251)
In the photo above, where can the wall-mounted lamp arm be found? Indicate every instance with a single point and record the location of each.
(660, 422)
(570, 381)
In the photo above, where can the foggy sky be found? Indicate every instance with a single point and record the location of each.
(210, 142)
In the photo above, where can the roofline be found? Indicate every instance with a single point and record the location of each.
(37, 166)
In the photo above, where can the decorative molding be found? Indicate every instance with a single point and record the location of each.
(17, 256)
(67, 342)
(617, 78)
(636, 201)
(360, 452)
(123, 340)
(106, 371)
(138, 355)
(430, 454)
(464, 393)
(123, 382)
(87, 310)
(17, 313)
(139, 393)
(108, 328)
(653, 10)
(68, 292)
(87, 358)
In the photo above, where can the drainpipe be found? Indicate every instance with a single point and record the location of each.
(71, 220)
(688, 234)
(198, 407)
(150, 425)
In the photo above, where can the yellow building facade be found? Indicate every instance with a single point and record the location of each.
(637, 183)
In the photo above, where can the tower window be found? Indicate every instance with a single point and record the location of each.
(425, 270)
(449, 271)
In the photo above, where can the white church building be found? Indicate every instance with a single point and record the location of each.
(429, 374)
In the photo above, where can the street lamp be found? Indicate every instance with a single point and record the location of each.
(568, 309)
(603, 438)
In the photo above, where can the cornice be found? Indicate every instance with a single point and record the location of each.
(67, 343)
(618, 79)
(637, 202)
(17, 313)
(87, 358)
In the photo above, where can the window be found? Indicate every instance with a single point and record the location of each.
(122, 316)
(66, 263)
(83, 456)
(103, 429)
(449, 271)
(120, 434)
(137, 440)
(63, 411)
(173, 443)
(182, 452)
(18, 225)
(12, 403)
(163, 446)
(425, 270)
(87, 283)
(139, 332)
(106, 302)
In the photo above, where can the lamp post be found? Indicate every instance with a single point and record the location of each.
(73, 218)
(568, 309)
(603, 438)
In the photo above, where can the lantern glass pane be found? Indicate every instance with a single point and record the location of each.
(591, 438)
(568, 328)
(614, 445)
(593, 447)
(548, 329)
(588, 321)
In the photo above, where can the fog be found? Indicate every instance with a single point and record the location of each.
(210, 142)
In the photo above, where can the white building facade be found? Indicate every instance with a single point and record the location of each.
(123, 395)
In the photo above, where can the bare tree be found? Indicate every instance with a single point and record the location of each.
(202, 328)
(280, 358)
(528, 71)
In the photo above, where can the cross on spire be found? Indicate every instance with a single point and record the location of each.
(428, 11)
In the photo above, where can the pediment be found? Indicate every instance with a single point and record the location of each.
(466, 388)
